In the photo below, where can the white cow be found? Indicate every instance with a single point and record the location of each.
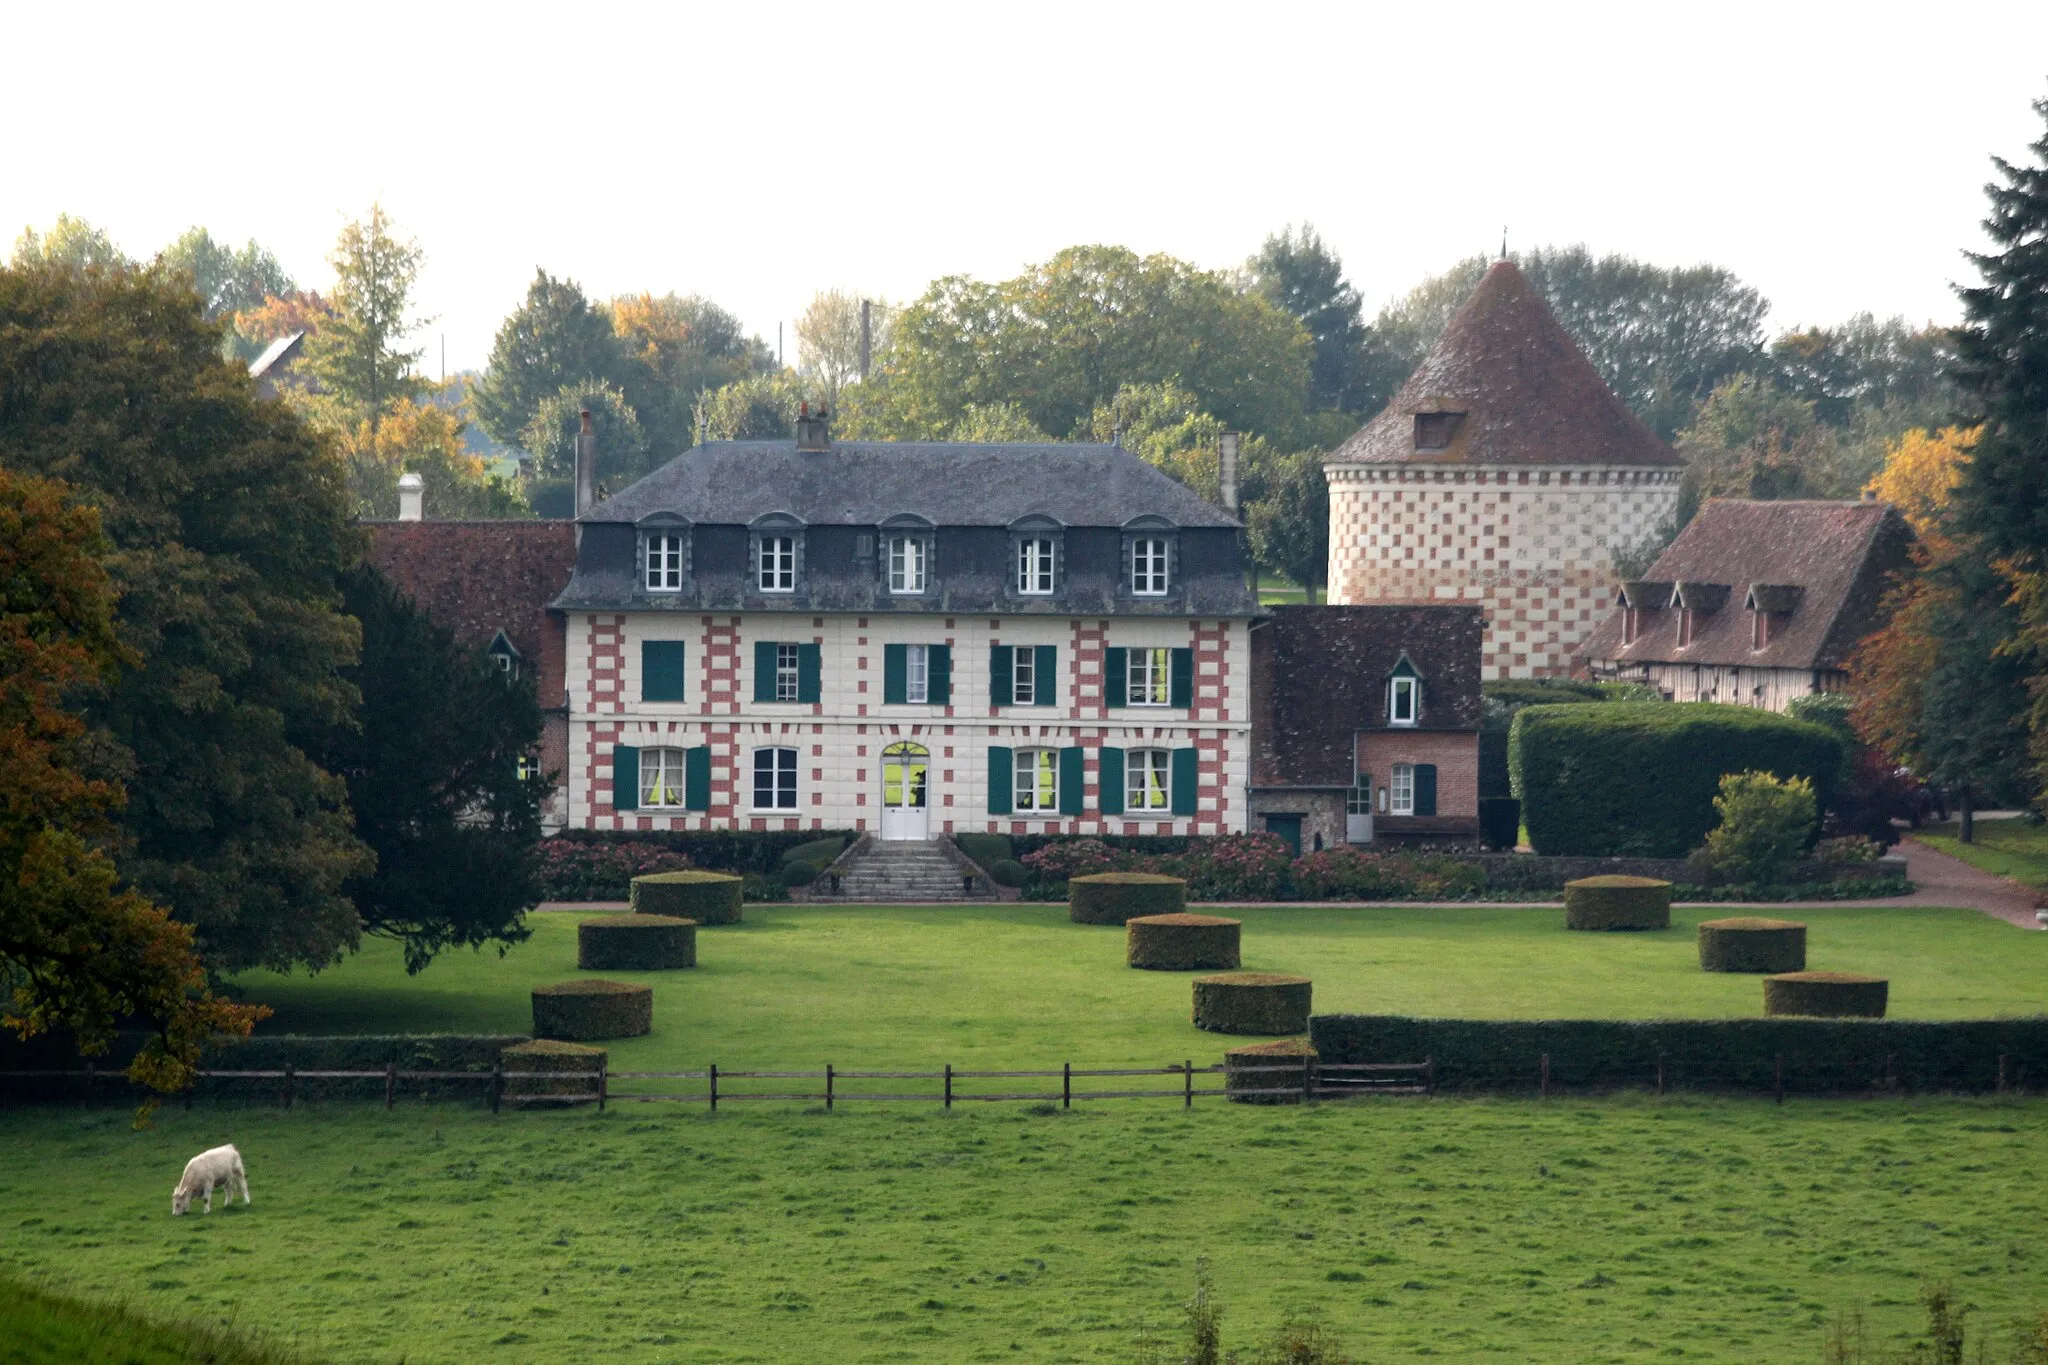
(207, 1172)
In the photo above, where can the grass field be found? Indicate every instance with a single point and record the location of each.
(38, 1327)
(2005, 848)
(1626, 1229)
(1019, 986)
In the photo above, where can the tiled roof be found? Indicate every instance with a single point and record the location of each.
(1821, 565)
(1526, 393)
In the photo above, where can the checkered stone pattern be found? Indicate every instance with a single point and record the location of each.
(1533, 546)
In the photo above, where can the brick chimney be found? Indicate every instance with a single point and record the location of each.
(1226, 471)
(813, 433)
(412, 495)
(586, 463)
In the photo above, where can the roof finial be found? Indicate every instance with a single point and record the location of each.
(1503, 241)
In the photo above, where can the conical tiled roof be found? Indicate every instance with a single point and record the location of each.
(1528, 395)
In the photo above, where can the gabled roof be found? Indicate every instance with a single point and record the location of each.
(1821, 567)
(1528, 395)
(863, 483)
(275, 354)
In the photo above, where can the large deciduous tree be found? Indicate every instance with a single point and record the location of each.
(424, 439)
(1298, 273)
(357, 354)
(672, 349)
(556, 337)
(828, 338)
(72, 243)
(229, 281)
(226, 524)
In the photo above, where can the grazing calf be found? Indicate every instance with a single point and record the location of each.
(207, 1172)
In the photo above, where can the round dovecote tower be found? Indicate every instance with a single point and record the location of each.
(1504, 473)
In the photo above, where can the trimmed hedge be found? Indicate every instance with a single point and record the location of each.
(635, 943)
(1182, 943)
(578, 1011)
(818, 852)
(1713, 1054)
(1006, 872)
(1617, 903)
(715, 850)
(706, 897)
(1252, 1002)
(549, 1054)
(986, 849)
(1298, 1055)
(1831, 995)
(1749, 944)
(799, 874)
(1119, 897)
(1500, 822)
(1639, 778)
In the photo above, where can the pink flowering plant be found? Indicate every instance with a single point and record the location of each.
(575, 870)
(1077, 858)
(1251, 867)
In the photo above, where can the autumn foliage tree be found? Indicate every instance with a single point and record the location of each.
(80, 951)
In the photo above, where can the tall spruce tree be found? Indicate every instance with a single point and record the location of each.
(355, 353)
(1299, 274)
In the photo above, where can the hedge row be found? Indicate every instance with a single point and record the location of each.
(581, 864)
(592, 1009)
(1740, 1054)
(411, 1052)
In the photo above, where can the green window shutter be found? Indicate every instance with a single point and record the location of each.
(810, 671)
(1116, 676)
(1109, 781)
(764, 671)
(1000, 778)
(939, 674)
(1001, 674)
(1071, 779)
(1181, 679)
(1044, 690)
(661, 670)
(1425, 789)
(1186, 781)
(697, 778)
(625, 777)
(895, 674)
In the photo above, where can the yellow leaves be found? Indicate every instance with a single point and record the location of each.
(1921, 472)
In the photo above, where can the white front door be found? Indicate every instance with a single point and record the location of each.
(1358, 811)
(905, 794)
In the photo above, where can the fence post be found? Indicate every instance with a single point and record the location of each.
(1889, 1082)
(390, 1083)
(1543, 1083)
(714, 1087)
(1779, 1074)
(189, 1087)
(828, 1087)
(1429, 1075)
(497, 1084)
(949, 1085)
(1066, 1085)
(604, 1081)
(1188, 1091)
(1308, 1080)
(290, 1084)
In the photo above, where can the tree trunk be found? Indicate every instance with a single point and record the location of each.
(1966, 815)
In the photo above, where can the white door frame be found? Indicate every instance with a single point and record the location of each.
(1358, 825)
(910, 817)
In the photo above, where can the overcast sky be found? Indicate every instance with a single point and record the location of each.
(1831, 155)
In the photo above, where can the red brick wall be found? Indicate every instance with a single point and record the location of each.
(1455, 753)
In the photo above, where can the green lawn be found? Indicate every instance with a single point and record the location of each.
(39, 1327)
(1626, 1229)
(1019, 986)
(2005, 848)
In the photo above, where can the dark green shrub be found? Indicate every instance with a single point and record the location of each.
(1182, 943)
(1831, 995)
(716, 850)
(1117, 897)
(1006, 872)
(1749, 944)
(1615, 902)
(1500, 822)
(1765, 825)
(1252, 1002)
(1639, 778)
(579, 1011)
(757, 886)
(1358, 874)
(635, 943)
(818, 852)
(706, 897)
(986, 849)
(1297, 1055)
(1541, 691)
(795, 875)
(551, 1055)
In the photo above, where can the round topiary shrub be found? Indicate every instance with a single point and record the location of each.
(795, 876)
(1295, 1058)
(1119, 897)
(1748, 944)
(1007, 872)
(1252, 1002)
(581, 1010)
(1617, 903)
(1833, 995)
(706, 897)
(635, 943)
(1182, 943)
(550, 1055)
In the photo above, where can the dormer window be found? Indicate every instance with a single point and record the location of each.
(1148, 566)
(776, 554)
(909, 556)
(1770, 606)
(662, 560)
(778, 564)
(1434, 430)
(1404, 695)
(1684, 627)
(504, 654)
(1630, 624)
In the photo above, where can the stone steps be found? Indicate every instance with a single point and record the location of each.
(888, 871)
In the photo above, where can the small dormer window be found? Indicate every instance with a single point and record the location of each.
(504, 654)
(1434, 430)
(1404, 695)
(1630, 624)
(663, 562)
(1684, 627)
(1035, 565)
(1148, 566)
(909, 556)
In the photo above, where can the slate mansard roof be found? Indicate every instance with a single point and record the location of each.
(967, 496)
(1524, 392)
(1820, 568)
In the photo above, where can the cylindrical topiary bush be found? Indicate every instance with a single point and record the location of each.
(1832, 995)
(582, 1010)
(1182, 943)
(706, 897)
(1617, 903)
(1252, 1002)
(1285, 1067)
(635, 943)
(1120, 897)
(551, 1055)
(1007, 872)
(1748, 944)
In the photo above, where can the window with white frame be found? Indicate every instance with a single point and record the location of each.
(1358, 800)
(1147, 680)
(907, 559)
(1035, 565)
(1024, 676)
(778, 564)
(1401, 797)
(1037, 775)
(917, 674)
(664, 563)
(774, 779)
(1404, 699)
(661, 778)
(787, 672)
(1148, 567)
(1148, 781)
(529, 767)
